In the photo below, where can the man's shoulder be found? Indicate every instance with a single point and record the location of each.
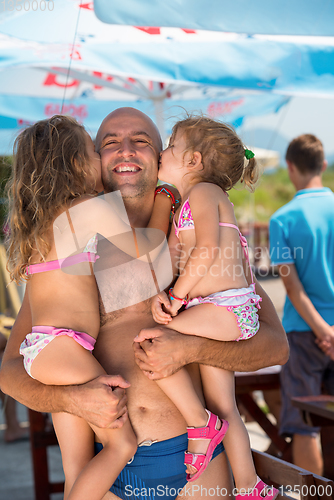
(284, 211)
(304, 205)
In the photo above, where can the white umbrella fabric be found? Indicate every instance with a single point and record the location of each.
(150, 66)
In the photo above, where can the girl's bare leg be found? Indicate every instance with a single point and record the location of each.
(76, 442)
(180, 389)
(65, 362)
(119, 446)
(198, 320)
(218, 386)
(110, 496)
(207, 320)
(215, 483)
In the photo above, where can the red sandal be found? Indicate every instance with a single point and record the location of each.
(210, 431)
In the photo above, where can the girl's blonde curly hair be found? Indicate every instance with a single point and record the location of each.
(223, 153)
(51, 168)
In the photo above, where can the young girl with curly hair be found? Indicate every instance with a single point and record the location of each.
(55, 216)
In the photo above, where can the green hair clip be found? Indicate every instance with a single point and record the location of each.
(249, 154)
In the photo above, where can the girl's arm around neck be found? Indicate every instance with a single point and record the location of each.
(160, 218)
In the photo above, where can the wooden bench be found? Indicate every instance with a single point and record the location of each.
(42, 435)
(261, 380)
(292, 480)
(318, 411)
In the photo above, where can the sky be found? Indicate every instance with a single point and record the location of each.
(302, 115)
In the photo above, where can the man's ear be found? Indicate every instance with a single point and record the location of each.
(196, 160)
(290, 165)
(324, 166)
(292, 169)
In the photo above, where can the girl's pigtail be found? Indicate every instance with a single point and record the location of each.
(251, 173)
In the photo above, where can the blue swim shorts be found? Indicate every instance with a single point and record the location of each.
(307, 370)
(156, 471)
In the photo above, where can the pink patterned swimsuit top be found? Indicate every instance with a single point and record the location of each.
(186, 222)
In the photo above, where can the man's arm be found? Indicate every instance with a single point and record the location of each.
(303, 305)
(171, 350)
(98, 401)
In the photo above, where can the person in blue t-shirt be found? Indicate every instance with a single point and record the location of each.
(302, 245)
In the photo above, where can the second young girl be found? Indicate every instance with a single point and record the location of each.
(54, 220)
(205, 159)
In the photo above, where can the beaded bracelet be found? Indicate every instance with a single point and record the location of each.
(173, 297)
(170, 195)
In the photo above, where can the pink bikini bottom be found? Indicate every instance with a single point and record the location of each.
(41, 336)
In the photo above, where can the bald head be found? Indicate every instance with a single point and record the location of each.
(129, 145)
(127, 113)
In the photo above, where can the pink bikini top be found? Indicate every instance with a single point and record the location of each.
(52, 265)
(186, 222)
(88, 255)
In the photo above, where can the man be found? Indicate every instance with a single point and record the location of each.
(302, 245)
(129, 145)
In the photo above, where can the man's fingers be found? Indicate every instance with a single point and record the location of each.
(149, 374)
(159, 315)
(141, 337)
(149, 370)
(326, 347)
(165, 301)
(148, 334)
(162, 318)
(115, 381)
(139, 351)
(119, 422)
(163, 314)
(136, 348)
(123, 411)
(120, 395)
(143, 364)
(153, 375)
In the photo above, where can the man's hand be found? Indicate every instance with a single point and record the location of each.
(160, 352)
(159, 304)
(101, 402)
(326, 342)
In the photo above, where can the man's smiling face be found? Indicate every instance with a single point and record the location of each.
(129, 145)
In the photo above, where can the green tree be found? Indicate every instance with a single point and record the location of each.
(274, 190)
